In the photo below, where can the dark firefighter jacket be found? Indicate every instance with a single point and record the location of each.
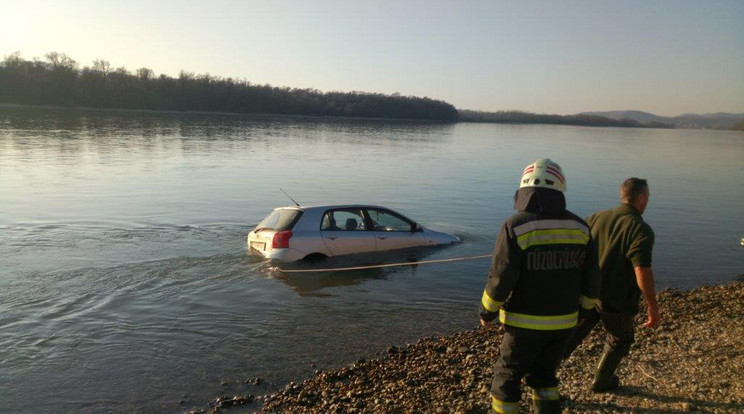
(544, 265)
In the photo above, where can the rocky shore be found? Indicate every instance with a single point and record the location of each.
(693, 363)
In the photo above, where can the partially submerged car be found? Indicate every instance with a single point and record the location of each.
(295, 233)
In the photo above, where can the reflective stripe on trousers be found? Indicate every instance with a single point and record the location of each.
(549, 394)
(504, 407)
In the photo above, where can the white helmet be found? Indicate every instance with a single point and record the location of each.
(544, 173)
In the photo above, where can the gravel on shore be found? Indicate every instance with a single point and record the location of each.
(694, 362)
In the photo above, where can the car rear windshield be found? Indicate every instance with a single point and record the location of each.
(280, 220)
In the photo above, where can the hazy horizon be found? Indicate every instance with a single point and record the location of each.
(668, 58)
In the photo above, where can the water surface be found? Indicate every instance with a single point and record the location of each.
(125, 283)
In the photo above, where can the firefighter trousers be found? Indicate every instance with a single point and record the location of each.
(532, 355)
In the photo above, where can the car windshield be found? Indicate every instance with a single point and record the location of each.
(280, 220)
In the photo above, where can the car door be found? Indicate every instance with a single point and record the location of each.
(344, 231)
(392, 231)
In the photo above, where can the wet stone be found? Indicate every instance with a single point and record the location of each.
(253, 381)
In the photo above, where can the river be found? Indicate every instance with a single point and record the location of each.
(126, 285)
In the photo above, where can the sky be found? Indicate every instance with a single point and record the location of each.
(559, 57)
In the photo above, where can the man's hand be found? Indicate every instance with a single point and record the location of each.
(645, 280)
(654, 317)
(486, 324)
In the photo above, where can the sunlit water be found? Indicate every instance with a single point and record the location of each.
(125, 283)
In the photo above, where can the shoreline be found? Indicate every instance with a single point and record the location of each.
(693, 363)
(4, 105)
(319, 117)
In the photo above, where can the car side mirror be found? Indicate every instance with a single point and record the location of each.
(415, 227)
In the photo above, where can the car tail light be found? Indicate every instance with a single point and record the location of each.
(281, 239)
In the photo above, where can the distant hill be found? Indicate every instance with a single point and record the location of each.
(719, 120)
(639, 116)
(521, 117)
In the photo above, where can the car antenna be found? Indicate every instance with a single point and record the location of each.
(290, 197)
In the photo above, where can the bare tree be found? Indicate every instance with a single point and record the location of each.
(102, 66)
(145, 73)
(13, 60)
(60, 60)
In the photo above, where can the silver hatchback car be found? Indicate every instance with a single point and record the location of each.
(289, 234)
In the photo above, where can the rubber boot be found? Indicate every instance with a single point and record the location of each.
(546, 407)
(604, 378)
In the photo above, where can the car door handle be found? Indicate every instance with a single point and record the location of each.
(382, 237)
(333, 237)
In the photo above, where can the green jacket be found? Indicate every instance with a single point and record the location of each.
(624, 241)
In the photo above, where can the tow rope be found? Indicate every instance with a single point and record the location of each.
(344, 269)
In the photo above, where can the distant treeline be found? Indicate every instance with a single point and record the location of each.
(520, 117)
(58, 81)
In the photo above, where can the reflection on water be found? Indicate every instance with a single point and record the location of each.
(126, 285)
(143, 130)
(311, 277)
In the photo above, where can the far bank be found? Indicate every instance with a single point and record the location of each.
(462, 116)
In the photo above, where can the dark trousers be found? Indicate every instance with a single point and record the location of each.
(619, 328)
(534, 355)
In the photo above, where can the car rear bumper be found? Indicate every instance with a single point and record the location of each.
(281, 255)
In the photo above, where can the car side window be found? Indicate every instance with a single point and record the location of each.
(387, 221)
(342, 220)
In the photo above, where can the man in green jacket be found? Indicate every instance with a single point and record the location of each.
(624, 242)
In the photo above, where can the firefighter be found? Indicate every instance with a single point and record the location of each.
(625, 243)
(544, 270)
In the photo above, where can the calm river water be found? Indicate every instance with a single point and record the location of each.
(125, 284)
